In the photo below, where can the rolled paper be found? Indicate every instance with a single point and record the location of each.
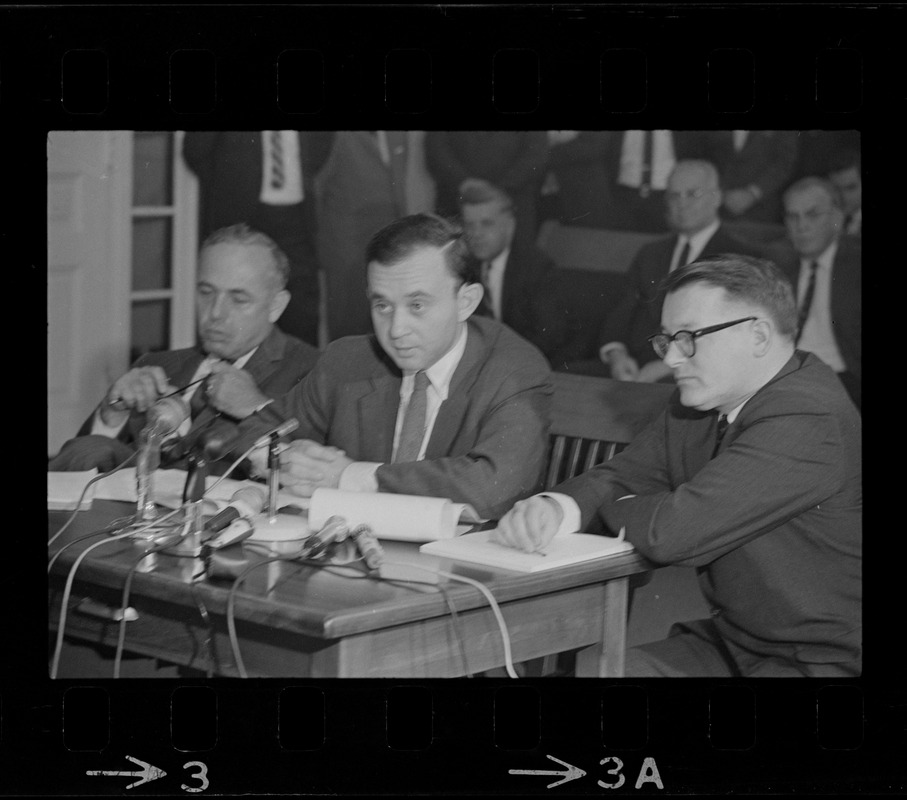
(404, 517)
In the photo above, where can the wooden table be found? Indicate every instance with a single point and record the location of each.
(300, 621)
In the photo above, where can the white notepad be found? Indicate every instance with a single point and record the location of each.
(65, 488)
(562, 550)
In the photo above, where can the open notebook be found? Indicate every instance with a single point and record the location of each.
(562, 550)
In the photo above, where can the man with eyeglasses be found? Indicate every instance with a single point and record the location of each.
(693, 200)
(752, 475)
(825, 268)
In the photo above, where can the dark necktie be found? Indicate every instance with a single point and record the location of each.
(413, 430)
(720, 430)
(198, 401)
(684, 255)
(277, 168)
(487, 298)
(807, 299)
(646, 175)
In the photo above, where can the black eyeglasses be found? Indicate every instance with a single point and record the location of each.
(686, 340)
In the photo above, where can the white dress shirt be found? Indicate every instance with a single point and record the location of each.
(631, 159)
(291, 192)
(360, 475)
(697, 241)
(740, 138)
(818, 331)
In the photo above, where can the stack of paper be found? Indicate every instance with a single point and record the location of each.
(563, 550)
(65, 488)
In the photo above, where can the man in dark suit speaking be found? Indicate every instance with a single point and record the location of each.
(752, 475)
(240, 294)
(437, 402)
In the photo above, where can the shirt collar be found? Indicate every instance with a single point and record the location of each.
(732, 414)
(441, 372)
(699, 239)
(826, 258)
(239, 363)
(500, 261)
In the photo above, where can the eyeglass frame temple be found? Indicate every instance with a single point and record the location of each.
(694, 335)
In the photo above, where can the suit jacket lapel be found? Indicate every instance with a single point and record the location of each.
(453, 410)
(378, 418)
(266, 359)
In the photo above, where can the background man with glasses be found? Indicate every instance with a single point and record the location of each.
(825, 268)
(693, 199)
(769, 512)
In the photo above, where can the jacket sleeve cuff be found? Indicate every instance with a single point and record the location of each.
(572, 519)
(359, 477)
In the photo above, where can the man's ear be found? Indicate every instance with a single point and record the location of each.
(764, 334)
(469, 295)
(278, 304)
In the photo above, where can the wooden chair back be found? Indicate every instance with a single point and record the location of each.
(593, 419)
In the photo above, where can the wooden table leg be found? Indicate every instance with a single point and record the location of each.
(605, 659)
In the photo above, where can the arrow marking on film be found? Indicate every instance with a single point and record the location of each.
(571, 774)
(147, 774)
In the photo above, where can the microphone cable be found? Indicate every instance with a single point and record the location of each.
(124, 601)
(72, 572)
(369, 574)
(110, 527)
(96, 478)
(70, 578)
(502, 625)
(452, 609)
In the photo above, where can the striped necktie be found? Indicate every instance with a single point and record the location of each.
(646, 173)
(277, 166)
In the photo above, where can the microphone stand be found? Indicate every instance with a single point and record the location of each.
(193, 496)
(147, 461)
(273, 476)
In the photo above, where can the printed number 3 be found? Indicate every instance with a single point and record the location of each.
(202, 775)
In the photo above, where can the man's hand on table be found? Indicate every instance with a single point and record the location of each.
(530, 524)
(306, 465)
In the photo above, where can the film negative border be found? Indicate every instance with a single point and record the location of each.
(106, 69)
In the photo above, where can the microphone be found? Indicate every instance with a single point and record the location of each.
(245, 503)
(166, 415)
(281, 430)
(367, 545)
(218, 439)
